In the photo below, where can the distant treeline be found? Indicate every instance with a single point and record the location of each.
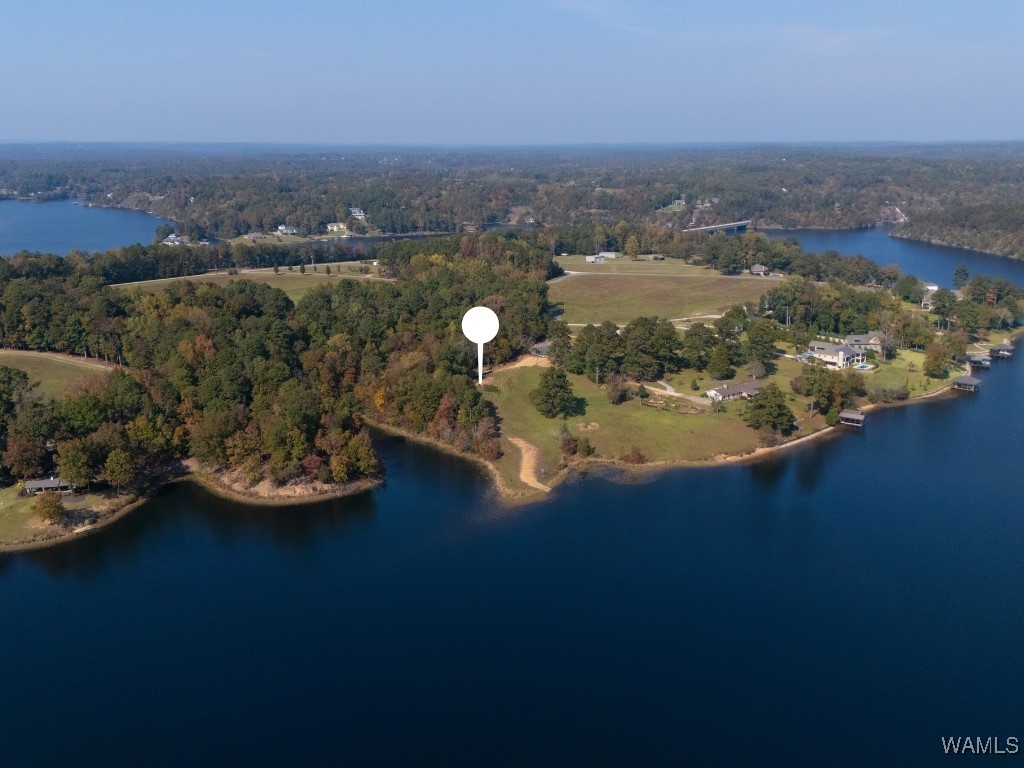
(994, 227)
(214, 193)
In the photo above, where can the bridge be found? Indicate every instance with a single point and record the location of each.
(737, 226)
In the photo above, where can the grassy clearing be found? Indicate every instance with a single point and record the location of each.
(676, 267)
(906, 368)
(53, 374)
(293, 283)
(18, 521)
(595, 298)
(614, 429)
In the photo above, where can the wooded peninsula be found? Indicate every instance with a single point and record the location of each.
(262, 365)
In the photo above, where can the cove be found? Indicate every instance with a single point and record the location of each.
(62, 225)
(931, 263)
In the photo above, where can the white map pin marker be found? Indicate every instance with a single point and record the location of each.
(480, 325)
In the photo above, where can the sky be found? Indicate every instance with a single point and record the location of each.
(522, 72)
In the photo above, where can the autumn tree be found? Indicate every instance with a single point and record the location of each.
(118, 470)
(49, 505)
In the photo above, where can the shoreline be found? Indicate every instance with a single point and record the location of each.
(205, 479)
(208, 480)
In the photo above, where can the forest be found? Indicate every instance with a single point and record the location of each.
(964, 194)
(239, 377)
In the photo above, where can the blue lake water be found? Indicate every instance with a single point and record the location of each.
(63, 225)
(931, 263)
(845, 603)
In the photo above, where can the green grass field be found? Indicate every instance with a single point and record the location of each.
(614, 429)
(18, 521)
(52, 373)
(293, 283)
(630, 267)
(620, 298)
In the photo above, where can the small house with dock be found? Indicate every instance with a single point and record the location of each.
(1004, 351)
(851, 417)
(966, 384)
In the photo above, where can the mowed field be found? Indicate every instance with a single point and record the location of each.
(614, 429)
(630, 267)
(594, 298)
(293, 283)
(52, 372)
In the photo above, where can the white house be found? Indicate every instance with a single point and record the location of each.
(611, 254)
(174, 240)
(284, 229)
(760, 270)
(835, 355)
(599, 259)
(357, 213)
(337, 226)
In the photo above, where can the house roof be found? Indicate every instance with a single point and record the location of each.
(748, 387)
(46, 484)
(864, 338)
(759, 268)
(833, 349)
(1001, 347)
(969, 381)
(851, 414)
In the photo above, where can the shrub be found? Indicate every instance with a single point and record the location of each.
(635, 456)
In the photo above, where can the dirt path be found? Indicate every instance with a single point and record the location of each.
(524, 361)
(528, 464)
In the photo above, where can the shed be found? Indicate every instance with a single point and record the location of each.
(598, 259)
(966, 383)
(851, 417)
(760, 269)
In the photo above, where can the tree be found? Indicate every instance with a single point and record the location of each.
(944, 304)
(718, 363)
(73, 463)
(960, 277)
(768, 409)
(554, 396)
(561, 342)
(117, 469)
(49, 506)
(632, 248)
(761, 336)
(25, 455)
(935, 360)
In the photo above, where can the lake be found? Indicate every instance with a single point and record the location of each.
(845, 603)
(62, 225)
(931, 263)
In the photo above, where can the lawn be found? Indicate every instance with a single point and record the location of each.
(293, 283)
(18, 521)
(52, 373)
(614, 429)
(620, 298)
(630, 267)
(893, 373)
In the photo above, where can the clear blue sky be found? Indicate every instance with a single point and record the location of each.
(526, 72)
